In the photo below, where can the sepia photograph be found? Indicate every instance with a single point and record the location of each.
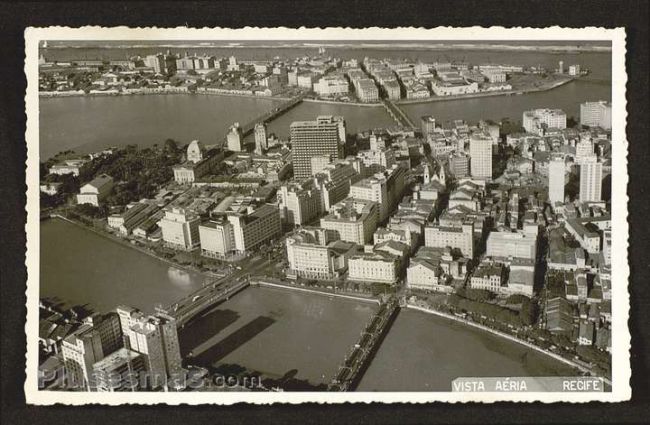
(288, 215)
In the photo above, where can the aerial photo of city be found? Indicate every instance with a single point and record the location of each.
(271, 216)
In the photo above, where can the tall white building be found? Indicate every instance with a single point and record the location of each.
(538, 120)
(235, 138)
(596, 114)
(325, 136)
(480, 152)
(383, 188)
(217, 238)
(299, 203)
(156, 338)
(591, 178)
(261, 138)
(311, 255)
(556, 182)
(180, 228)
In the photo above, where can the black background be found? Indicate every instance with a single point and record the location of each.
(14, 18)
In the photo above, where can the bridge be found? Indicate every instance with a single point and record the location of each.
(273, 114)
(355, 364)
(212, 293)
(397, 114)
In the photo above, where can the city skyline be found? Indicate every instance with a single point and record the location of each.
(342, 182)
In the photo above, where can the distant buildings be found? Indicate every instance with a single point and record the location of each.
(329, 86)
(596, 114)
(366, 90)
(325, 136)
(96, 190)
(480, 152)
(69, 166)
(537, 121)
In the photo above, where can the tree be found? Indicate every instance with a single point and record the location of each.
(528, 313)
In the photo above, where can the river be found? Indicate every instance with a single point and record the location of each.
(277, 332)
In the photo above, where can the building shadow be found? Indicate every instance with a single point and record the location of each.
(203, 327)
(233, 341)
(286, 382)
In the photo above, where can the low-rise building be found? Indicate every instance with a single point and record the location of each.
(95, 191)
(461, 238)
(490, 277)
(373, 267)
(512, 244)
(312, 255)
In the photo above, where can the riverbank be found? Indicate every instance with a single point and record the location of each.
(337, 102)
(266, 283)
(81, 93)
(514, 92)
(125, 243)
(505, 336)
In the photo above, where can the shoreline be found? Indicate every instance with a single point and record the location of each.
(262, 283)
(57, 95)
(484, 94)
(506, 336)
(125, 243)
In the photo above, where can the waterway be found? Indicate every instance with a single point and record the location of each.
(423, 352)
(280, 333)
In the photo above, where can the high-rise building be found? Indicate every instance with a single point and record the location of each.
(591, 176)
(427, 125)
(384, 188)
(235, 138)
(255, 227)
(325, 136)
(556, 170)
(156, 338)
(261, 139)
(596, 114)
(97, 337)
(157, 62)
(584, 150)
(217, 238)
(480, 152)
(459, 165)
(180, 228)
(352, 220)
(299, 203)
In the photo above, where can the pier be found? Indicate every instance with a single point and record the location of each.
(357, 361)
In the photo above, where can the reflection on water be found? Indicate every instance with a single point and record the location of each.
(179, 277)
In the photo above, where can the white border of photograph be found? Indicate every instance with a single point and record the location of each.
(620, 270)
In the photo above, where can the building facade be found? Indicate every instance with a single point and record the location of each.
(324, 136)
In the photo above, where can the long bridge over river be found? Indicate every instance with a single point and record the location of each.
(272, 114)
(210, 294)
(354, 365)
